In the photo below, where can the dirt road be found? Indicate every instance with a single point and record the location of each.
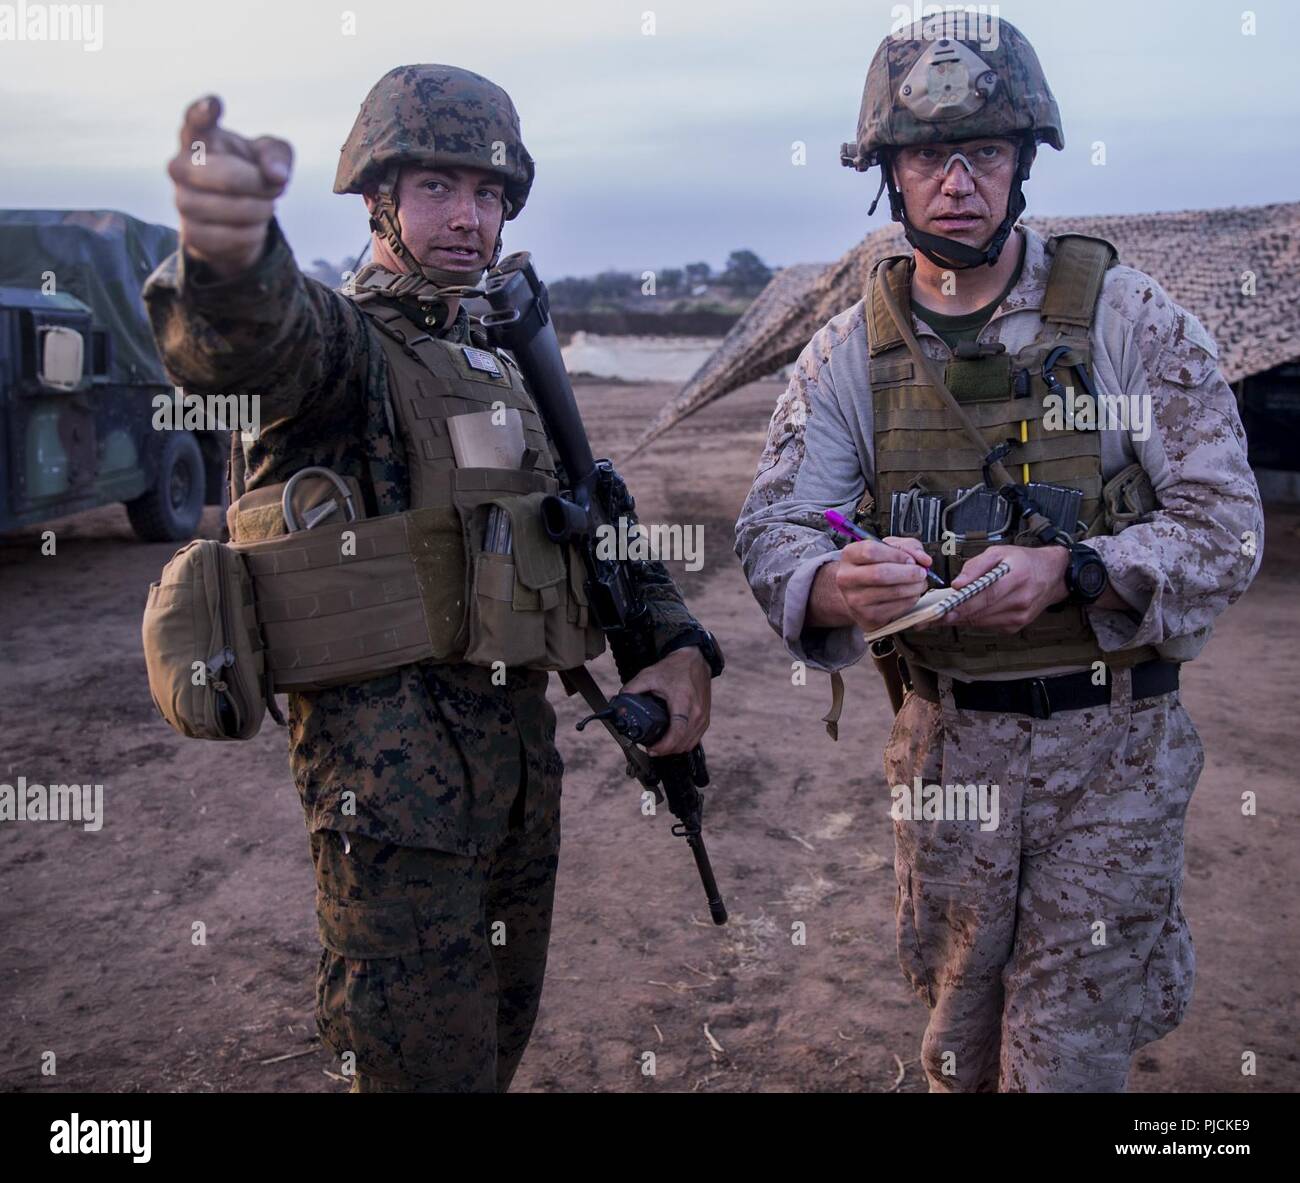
(98, 965)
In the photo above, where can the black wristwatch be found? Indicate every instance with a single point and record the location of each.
(702, 639)
(1085, 576)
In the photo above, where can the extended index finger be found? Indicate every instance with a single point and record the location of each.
(913, 546)
(201, 116)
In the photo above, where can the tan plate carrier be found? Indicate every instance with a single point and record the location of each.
(349, 600)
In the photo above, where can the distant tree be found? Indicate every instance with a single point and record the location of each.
(616, 285)
(698, 273)
(573, 293)
(745, 273)
(670, 281)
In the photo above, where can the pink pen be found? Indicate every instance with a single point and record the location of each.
(841, 525)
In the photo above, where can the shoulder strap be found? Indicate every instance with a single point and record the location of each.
(391, 321)
(235, 471)
(882, 332)
(1078, 267)
(925, 366)
(415, 341)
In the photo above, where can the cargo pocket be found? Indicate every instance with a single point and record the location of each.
(910, 960)
(367, 946)
(1167, 986)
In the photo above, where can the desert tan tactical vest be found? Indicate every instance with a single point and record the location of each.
(347, 600)
(919, 444)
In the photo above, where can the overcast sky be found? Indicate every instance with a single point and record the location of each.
(651, 150)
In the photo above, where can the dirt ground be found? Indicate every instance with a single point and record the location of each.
(98, 966)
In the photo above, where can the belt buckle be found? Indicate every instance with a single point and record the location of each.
(1040, 701)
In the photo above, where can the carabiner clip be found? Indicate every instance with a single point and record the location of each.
(1049, 364)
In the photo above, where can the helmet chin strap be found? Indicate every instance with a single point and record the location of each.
(443, 285)
(948, 252)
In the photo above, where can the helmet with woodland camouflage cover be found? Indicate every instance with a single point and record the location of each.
(437, 117)
(954, 76)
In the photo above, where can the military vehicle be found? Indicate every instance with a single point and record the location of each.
(78, 375)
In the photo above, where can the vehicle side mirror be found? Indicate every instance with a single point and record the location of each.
(63, 357)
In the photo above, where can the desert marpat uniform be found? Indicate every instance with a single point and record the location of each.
(997, 930)
(432, 796)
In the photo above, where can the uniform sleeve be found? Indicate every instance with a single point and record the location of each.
(271, 332)
(669, 615)
(1198, 552)
(664, 601)
(809, 464)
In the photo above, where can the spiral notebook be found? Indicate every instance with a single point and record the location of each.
(937, 602)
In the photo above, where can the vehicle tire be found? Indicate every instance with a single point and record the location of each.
(171, 510)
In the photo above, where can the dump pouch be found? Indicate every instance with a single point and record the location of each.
(202, 650)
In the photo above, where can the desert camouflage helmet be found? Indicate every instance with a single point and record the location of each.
(951, 77)
(924, 86)
(436, 116)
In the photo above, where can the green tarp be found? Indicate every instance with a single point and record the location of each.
(103, 258)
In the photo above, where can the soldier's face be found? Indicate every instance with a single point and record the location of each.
(955, 198)
(450, 216)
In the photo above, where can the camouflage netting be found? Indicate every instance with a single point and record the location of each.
(1198, 256)
(101, 257)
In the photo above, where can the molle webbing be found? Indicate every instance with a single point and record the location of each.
(346, 601)
(436, 383)
(321, 627)
(919, 442)
(353, 600)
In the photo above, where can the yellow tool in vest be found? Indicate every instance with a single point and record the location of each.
(951, 457)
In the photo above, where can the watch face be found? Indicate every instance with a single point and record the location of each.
(1090, 577)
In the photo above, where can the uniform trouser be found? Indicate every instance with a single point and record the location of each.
(432, 968)
(1053, 947)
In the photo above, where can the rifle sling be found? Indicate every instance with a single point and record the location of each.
(1035, 521)
(579, 680)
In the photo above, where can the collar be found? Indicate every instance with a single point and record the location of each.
(1027, 295)
(458, 330)
(1032, 284)
(404, 293)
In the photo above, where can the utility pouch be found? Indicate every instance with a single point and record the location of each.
(525, 608)
(202, 649)
(1128, 497)
(511, 593)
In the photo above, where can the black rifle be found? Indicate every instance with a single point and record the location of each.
(520, 321)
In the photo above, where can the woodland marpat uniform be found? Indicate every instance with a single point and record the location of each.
(425, 790)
